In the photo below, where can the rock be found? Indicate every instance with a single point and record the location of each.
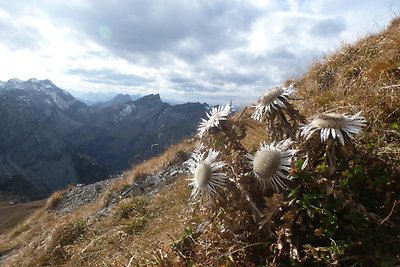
(81, 195)
(146, 185)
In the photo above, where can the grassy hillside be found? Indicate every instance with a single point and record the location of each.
(11, 214)
(340, 209)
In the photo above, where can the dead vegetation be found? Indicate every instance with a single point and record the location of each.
(54, 199)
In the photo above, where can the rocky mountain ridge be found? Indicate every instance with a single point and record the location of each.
(118, 99)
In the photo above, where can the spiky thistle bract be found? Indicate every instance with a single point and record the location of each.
(334, 125)
(214, 117)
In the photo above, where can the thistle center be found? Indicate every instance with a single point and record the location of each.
(331, 120)
(271, 95)
(266, 163)
(202, 175)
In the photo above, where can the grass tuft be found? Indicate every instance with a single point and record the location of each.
(54, 199)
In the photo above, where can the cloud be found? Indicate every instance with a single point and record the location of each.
(329, 27)
(148, 27)
(184, 49)
(17, 36)
(109, 77)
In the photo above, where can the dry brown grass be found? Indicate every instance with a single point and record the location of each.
(137, 229)
(174, 154)
(54, 199)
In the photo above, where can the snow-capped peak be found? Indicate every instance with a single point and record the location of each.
(33, 80)
(54, 94)
(15, 80)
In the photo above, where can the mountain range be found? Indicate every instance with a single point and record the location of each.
(49, 139)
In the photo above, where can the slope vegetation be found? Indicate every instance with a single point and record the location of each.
(339, 209)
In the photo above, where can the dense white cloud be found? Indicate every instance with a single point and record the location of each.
(209, 51)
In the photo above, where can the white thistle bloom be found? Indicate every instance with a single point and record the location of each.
(197, 155)
(198, 149)
(335, 125)
(271, 163)
(216, 115)
(205, 178)
(273, 99)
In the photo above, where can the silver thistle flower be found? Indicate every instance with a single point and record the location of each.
(335, 125)
(216, 115)
(273, 99)
(271, 163)
(205, 178)
(198, 149)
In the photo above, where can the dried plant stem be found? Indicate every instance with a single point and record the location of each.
(390, 86)
(330, 154)
(246, 195)
(241, 114)
(295, 116)
(241, 249)
(130, 261)
(396, 202)
(91, 243)
(289, 130)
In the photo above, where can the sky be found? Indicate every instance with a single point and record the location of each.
(209, 51)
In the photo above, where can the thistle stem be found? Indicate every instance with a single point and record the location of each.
(330, 154)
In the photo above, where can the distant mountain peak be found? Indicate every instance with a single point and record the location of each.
(121, 98)
(54, 94)
(15, 81)
(152, 99)
(33, 80)
(118, 99)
